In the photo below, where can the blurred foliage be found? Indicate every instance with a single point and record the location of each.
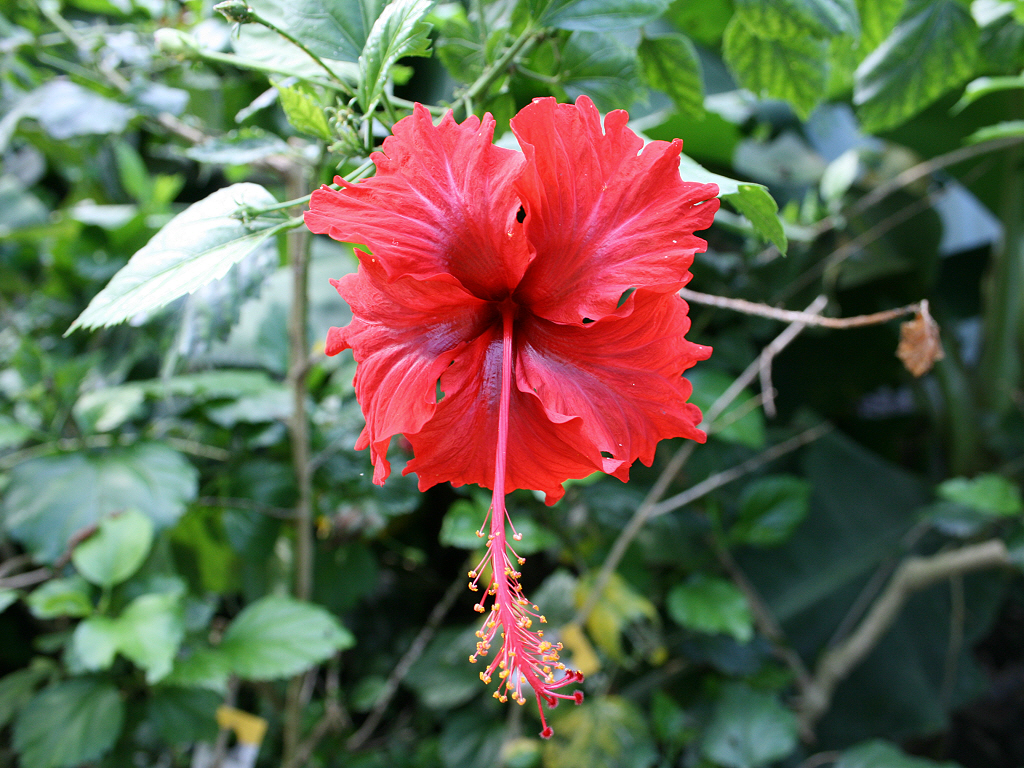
(160, 354)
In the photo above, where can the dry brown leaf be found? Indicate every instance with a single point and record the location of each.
(920, 346)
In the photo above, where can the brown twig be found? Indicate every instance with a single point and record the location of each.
(416, 649)
(27, 579)
(915, 573)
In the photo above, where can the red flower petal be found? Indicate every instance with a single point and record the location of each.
(404, 334)
(622, 377)
(601, 217)
(457, 444)
(442, 203)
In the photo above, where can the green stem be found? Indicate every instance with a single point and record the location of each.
(302, 46)
(523, 44)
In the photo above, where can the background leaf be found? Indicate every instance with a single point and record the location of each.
(600, 15)
(116, 550)
(398, 32)
(670, 64)
(332, 29)
(749, 729)
(712, 605)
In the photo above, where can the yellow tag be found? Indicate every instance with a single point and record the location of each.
(249, 729)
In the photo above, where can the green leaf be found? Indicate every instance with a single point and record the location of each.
(464, 518)
(183, 715)
(93, 645)
(779, 19)
(332, 29)
(238, 148)
(18, 688)
(68, 724)
(711, 605)
(116, 550)
(619, 606)
(7, 598)
(752, 200)
(602, 67)
(609, 731)
(746, 429)
(749, 729)
(669, 63)
(206, 668)
(770, 509)
(983, 86)
(882, 754)
(278, 636)
(197, 246)
(150, 631)
(304, 111)
(103, 410)
(442, 677)
(135, 178)
(877, 19)
(1001, 130)
(929, 53)
(398, 32)
(12, 434)
(51, 499)
(794, 69)
(65, 109)
(61, 597)
(601, 15)
(988, 493)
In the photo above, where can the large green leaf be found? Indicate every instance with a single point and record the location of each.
(749, 729)
(398, 32)
(52, 498)
(279, 636)
(931, 51)
(882, 754)
(332, 29)
(712, 605)
(791, 68)
(183, 715)
(670, 64)
(794, 18)
(877, 19)
(69, 724)
(601, 66)
(197, 246)
(18, 688)
(116, 550)
(600, 15)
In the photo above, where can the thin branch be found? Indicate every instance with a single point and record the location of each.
(914, 573)
(27, 579)
(675, 465)
(419, 644)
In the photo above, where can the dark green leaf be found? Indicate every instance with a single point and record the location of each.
(196, 247)
(793, 18)
(332, 29)
(711, 605)
(183, 715)
(52, 498)
(794, 69)
(746, 429)
(670, 64)
(304, 111)
(601, 15)
(882, 754)
(238, 148)
(770, 509)
(279, 636)
(18, 688)
(116, 550)
(749, 729)
(602, 67)
(929, 53)
(398, 32)
(982, 86)
(988, 493)
(442, 677)
(7, 598)
(68, 724)
(1001, 130)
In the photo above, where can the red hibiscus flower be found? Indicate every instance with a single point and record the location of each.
(516, 317)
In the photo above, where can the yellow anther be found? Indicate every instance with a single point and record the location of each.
(478, 608)
(517, 536)
(485, 677)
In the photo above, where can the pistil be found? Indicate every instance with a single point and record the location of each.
(524, 654)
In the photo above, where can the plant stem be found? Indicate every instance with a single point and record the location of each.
(298, 369)
(302, 46)
(522, 45)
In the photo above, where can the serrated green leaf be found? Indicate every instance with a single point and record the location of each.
(877, 20)
(670, 64)
(929, 53)
(61, 597)
(183, 715)
(150, 631)
(116, 550)
(398, 32)
(53, 498)
(749, 729)
(792, 68)
(770, 509)
(760, 208)
(69, 724)
(303, 111)
(711, 605)
(332, 29)
(779, 19)
(278, 636)
(600, 15)
(988, 493)
(602, 67)
(197, 246)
